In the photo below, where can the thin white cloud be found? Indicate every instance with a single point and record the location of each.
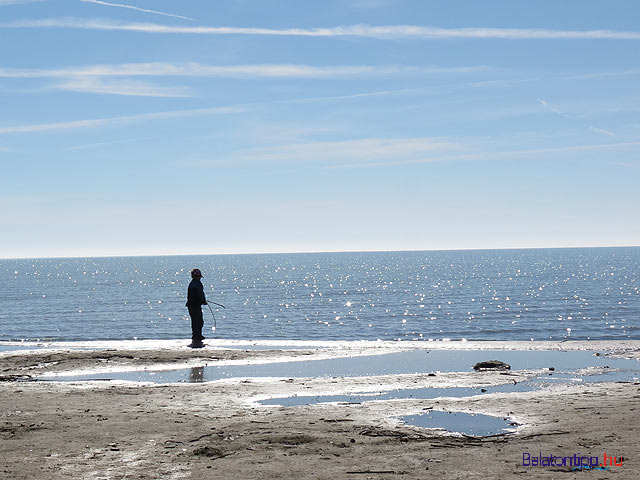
(121, 120)
(191, 69)
(621, 73)
(553, 109)
(112, 142)
(194, 69)
(17, 2)
(386, 152)
(106, 79)
(92, 123)
(483, 155)
(361, 149)
(628, 165)
(572, 148)
(138, 9)
(369, 4)
(567, 116)
(368, 31)
(603, 131)
(433, 90)
(121, 87)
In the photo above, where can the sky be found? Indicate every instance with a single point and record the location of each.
(153, 127)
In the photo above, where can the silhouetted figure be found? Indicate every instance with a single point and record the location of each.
(195, 300)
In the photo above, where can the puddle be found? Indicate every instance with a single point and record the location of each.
(418, 393)
(458, 392)
(266, 347)
(18, 347)
(466, 423)
(30, 346)
(419, 361)
(401, 394)
(196, 375)
(11, 348)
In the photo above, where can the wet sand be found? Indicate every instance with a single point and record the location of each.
(117, 430)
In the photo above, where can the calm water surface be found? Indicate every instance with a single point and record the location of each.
(482, 295)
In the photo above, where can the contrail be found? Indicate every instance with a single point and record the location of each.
(137, 8)
(565, 115)
(553, 109)
(124, 119)
(389, 32)
(192, 69)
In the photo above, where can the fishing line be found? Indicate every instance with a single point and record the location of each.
(214, 317)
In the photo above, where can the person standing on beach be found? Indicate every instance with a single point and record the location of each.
(195, 300)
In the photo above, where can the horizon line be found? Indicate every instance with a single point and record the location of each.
(61, 257)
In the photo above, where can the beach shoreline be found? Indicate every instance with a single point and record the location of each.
(218, 429)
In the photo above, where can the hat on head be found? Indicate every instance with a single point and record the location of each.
(196, 273)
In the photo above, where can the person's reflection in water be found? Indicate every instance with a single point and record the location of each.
(196, 375)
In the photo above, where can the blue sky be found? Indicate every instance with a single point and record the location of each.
(164, 127)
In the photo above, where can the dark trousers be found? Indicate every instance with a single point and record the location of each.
(195, 312)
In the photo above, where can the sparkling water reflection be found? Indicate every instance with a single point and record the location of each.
(484, 295)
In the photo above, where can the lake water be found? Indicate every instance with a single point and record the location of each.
(481, 295)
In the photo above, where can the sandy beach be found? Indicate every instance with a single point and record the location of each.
(114, 429)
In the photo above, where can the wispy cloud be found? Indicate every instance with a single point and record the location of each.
(546, 104)
(239, 108)
(236, 71)
(486, 155)
(361, 149)
(632, 166)
(390, 152)
(569, 117)
(17, 2)
(121, 120)
(107, 144)
(620, 73)
(573, 148)
(369, 31)
(121, 87)
(108, 79)
(603, 131)
(369, 4)
(137, 8)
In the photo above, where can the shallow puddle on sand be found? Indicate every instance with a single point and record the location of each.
(400, 394)
(469, 424)
(19, 346)
(10, 348)
(410, 362)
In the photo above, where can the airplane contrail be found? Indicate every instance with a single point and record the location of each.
(137, 8)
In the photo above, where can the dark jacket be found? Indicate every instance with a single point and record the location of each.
(195, 294)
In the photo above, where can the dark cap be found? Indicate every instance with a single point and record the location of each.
(196, 273)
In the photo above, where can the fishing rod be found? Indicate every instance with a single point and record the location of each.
(211, 310)
(214, 317)
(215, 303)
